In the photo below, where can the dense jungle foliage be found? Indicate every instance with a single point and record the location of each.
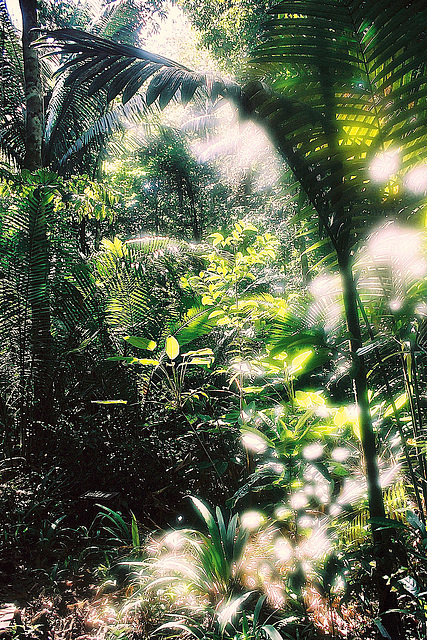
(213, 319)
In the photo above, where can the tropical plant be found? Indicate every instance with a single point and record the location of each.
(53, 136)
(25, 294)
(31, 142)
(230, 622)
(12, 140)
(235, 285)
(354, 78)
(326, 145)
(228, 30)
(196, 570)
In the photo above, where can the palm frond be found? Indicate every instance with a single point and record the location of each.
(349, 75)
(124, 69)
(70, 114)
(139, 283)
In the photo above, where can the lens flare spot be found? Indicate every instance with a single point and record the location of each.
(395, 304)
(283, 513)
(306, 522)
(340, 454)
(254, 443)
(384, 165)
(416, 179)
(174, 540)
(313, 451)
(298, 501)
(283, 550)
(252, 520)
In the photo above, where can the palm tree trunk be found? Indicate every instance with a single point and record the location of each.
(33, 87)
(375, 497)
(387, 598)
(39, 253)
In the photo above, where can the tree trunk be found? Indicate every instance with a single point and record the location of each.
(387, 598)
(33, 87)
(375, 497)
(41, 338)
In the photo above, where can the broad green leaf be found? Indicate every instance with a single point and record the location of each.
(141, 343)
(306, 399)
(221, 526)
(199, 352)
(172, 347)
(217, 238)
(204, 511)
(229, 611)
(209, 520)
(247, 226)
(415, 522)
(341, 417)
(300, 360)
(271, 632)
(201, 361)
(410, 585)
(135, 533)
(258, 608)
(196, 324)
(215, 314)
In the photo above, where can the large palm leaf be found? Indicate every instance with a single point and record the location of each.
(79, 122)
(26, 354)
(353, 75)
(121, 69)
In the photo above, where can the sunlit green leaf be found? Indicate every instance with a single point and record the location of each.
(299, 360)
(172, 347)
(141, 343)
(146, 362)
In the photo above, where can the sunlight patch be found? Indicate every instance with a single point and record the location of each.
(384, 165)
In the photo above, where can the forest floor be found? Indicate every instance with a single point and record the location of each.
(33, 608)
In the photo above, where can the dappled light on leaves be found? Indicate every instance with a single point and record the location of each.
(400, 249)
(313, 451)
(340, 454)
(213, 325)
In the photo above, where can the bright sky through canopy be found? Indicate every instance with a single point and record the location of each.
(14, 12)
